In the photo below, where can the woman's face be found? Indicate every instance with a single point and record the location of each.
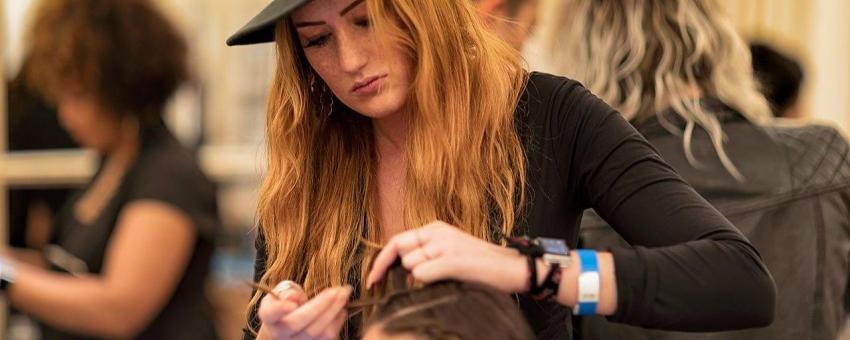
(343, 50)
(86, 122)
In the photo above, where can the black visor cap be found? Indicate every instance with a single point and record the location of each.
(261, 28)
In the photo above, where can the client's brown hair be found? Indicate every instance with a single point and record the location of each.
(447, 310)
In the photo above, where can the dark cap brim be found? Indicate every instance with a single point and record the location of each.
(261, 28)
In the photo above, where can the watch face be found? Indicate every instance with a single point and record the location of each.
(554, 246)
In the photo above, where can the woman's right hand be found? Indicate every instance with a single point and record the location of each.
(292, 316)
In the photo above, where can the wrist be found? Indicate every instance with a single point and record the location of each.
(519, 273)
(520, 278)
(542, 270)
(568, 294)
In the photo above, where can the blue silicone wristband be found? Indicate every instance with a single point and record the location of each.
(589, 264)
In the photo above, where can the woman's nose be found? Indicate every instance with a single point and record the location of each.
(353, 53)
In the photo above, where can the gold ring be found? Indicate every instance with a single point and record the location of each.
(284, 286)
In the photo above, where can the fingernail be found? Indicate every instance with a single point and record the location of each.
(343, 293)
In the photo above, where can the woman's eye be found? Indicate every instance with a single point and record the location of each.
(319, 41)
(362, 22)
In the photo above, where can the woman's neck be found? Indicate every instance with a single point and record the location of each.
(125, 143)
(118, 158)
(390, 146)
(391, 134)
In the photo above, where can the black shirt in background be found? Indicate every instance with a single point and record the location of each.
(33, 126)
(689, 269)
(164, 171)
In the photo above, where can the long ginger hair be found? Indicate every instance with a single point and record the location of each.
(465, 162)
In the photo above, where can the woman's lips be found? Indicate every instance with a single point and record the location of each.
(369, 85)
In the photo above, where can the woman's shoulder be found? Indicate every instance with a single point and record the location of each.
(168, 172)
(166, 168)
(560, 101)
(171, 158)
(544, 85)
(816, 151)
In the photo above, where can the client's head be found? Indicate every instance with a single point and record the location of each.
(444, 310)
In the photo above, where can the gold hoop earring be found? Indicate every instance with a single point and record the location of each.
(327, 91)
(321, 95)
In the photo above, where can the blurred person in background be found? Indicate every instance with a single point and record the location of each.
(33, 126)
(511, 20)
(781, 79)
(387, 117)
(130, 253)
(681, 74)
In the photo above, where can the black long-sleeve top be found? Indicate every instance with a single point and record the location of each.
(689, 269)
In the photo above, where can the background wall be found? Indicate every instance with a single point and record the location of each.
(817, 32)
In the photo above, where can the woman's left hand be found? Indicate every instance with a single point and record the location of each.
(439, 251)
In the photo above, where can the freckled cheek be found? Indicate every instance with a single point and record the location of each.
(402, 69)
(326, 65)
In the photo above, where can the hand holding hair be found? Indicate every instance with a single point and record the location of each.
(289, 314)
(439, 251)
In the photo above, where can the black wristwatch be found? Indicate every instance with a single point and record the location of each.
(556, 255)
(555, 251)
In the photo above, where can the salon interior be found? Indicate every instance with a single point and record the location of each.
(219, 113)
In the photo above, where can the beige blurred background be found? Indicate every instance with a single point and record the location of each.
(815, 31)
(222, 111)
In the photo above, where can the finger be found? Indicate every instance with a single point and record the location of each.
(271, 310)
(434, 227)
(320, 324)
(409, 240)
(298, 320)
(382, 262)
(432, 271)
(332, 331)
(414, 258)
(289, 290)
